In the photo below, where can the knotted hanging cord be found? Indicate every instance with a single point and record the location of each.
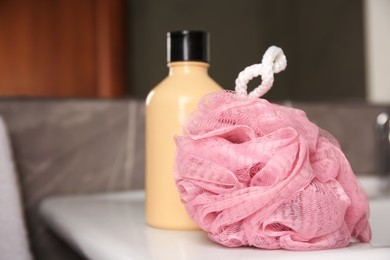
(274, 61)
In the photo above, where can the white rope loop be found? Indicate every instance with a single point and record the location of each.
(274, 61)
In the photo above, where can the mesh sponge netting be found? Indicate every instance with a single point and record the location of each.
(254, 173)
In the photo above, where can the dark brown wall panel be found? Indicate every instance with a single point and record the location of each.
(52, 48)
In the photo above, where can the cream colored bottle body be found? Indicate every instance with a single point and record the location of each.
(167, 105)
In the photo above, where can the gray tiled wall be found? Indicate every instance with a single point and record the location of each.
(89, 146)
(353, 124)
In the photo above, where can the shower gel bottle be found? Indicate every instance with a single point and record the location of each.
(167, 105)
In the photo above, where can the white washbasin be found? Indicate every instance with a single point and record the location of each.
(112, 227)
(379, 211)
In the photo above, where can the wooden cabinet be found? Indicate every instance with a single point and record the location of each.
(62, 48)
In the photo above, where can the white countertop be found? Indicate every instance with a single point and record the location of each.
(112, 227)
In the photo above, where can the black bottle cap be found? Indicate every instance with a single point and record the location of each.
(188, 46)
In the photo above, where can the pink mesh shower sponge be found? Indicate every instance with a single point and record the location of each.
(254, 173)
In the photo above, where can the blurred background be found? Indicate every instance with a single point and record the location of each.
(98, 48)
(74, 76)
(323, 42)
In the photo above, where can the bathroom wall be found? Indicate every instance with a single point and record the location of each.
(377, 37)
(323, 41)
(353, 124)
